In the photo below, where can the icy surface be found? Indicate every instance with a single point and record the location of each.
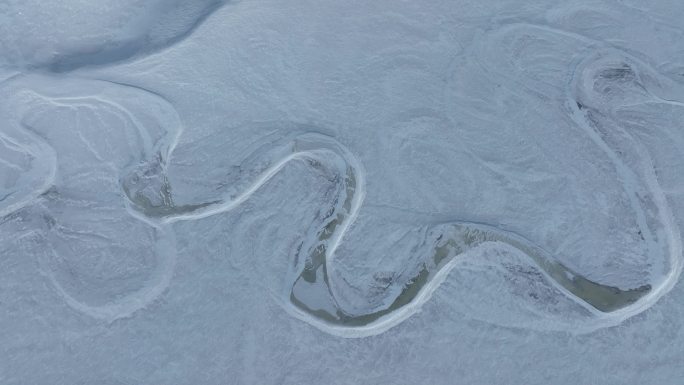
(263, 192)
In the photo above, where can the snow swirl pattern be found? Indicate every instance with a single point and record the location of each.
(100, 195)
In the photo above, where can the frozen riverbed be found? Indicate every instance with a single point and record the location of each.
(256, 192)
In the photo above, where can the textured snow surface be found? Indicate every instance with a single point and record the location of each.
(365, 192)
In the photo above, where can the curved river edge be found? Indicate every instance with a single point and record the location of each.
(312, 295)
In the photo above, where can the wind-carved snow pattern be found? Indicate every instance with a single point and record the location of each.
(27, 164)
(101, 260)
(600, 81)
(110, 33)
(107, 203)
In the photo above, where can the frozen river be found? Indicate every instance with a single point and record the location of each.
(262, 192)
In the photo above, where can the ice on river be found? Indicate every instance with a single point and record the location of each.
(262, 192)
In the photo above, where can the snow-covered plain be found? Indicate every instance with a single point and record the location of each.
(317, 192)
